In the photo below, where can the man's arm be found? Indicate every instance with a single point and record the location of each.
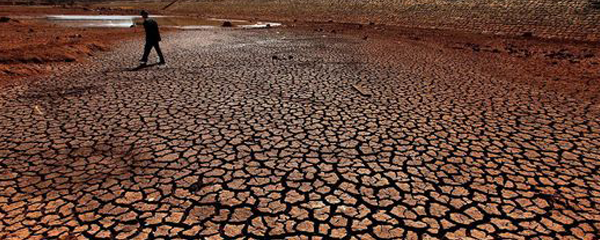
(156, 30)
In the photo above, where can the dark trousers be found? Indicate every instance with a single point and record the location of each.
(148, 47)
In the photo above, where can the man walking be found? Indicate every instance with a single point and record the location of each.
(152, 39)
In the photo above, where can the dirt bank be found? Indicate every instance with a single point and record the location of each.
(30, 47)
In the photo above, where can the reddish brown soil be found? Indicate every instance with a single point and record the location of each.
(29, 47)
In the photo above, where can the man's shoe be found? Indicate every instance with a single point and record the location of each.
(142, 64)
(162, 63)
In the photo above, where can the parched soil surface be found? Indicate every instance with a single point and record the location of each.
(278, 133)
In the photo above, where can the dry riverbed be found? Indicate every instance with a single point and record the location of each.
(285, 133)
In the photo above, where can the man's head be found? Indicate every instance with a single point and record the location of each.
(144, 14)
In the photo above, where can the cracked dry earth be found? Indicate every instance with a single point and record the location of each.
(333, 138)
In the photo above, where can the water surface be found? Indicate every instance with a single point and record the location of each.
(125, 21)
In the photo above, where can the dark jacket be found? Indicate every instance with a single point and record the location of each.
(152, 33)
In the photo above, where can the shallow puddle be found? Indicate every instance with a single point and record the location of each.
(125, 21)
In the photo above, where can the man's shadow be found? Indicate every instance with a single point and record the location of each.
(140, 67)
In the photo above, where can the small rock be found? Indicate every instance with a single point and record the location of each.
(268, 25)
(371, 23)
(36, 60)
(192, 188)
(290, 57)
(333, 31)
(527, 34)
(362, 90)
(330, 21)
(227, 24)
(365, 37)
(275, 57)
(31, 30)
(4, 19)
